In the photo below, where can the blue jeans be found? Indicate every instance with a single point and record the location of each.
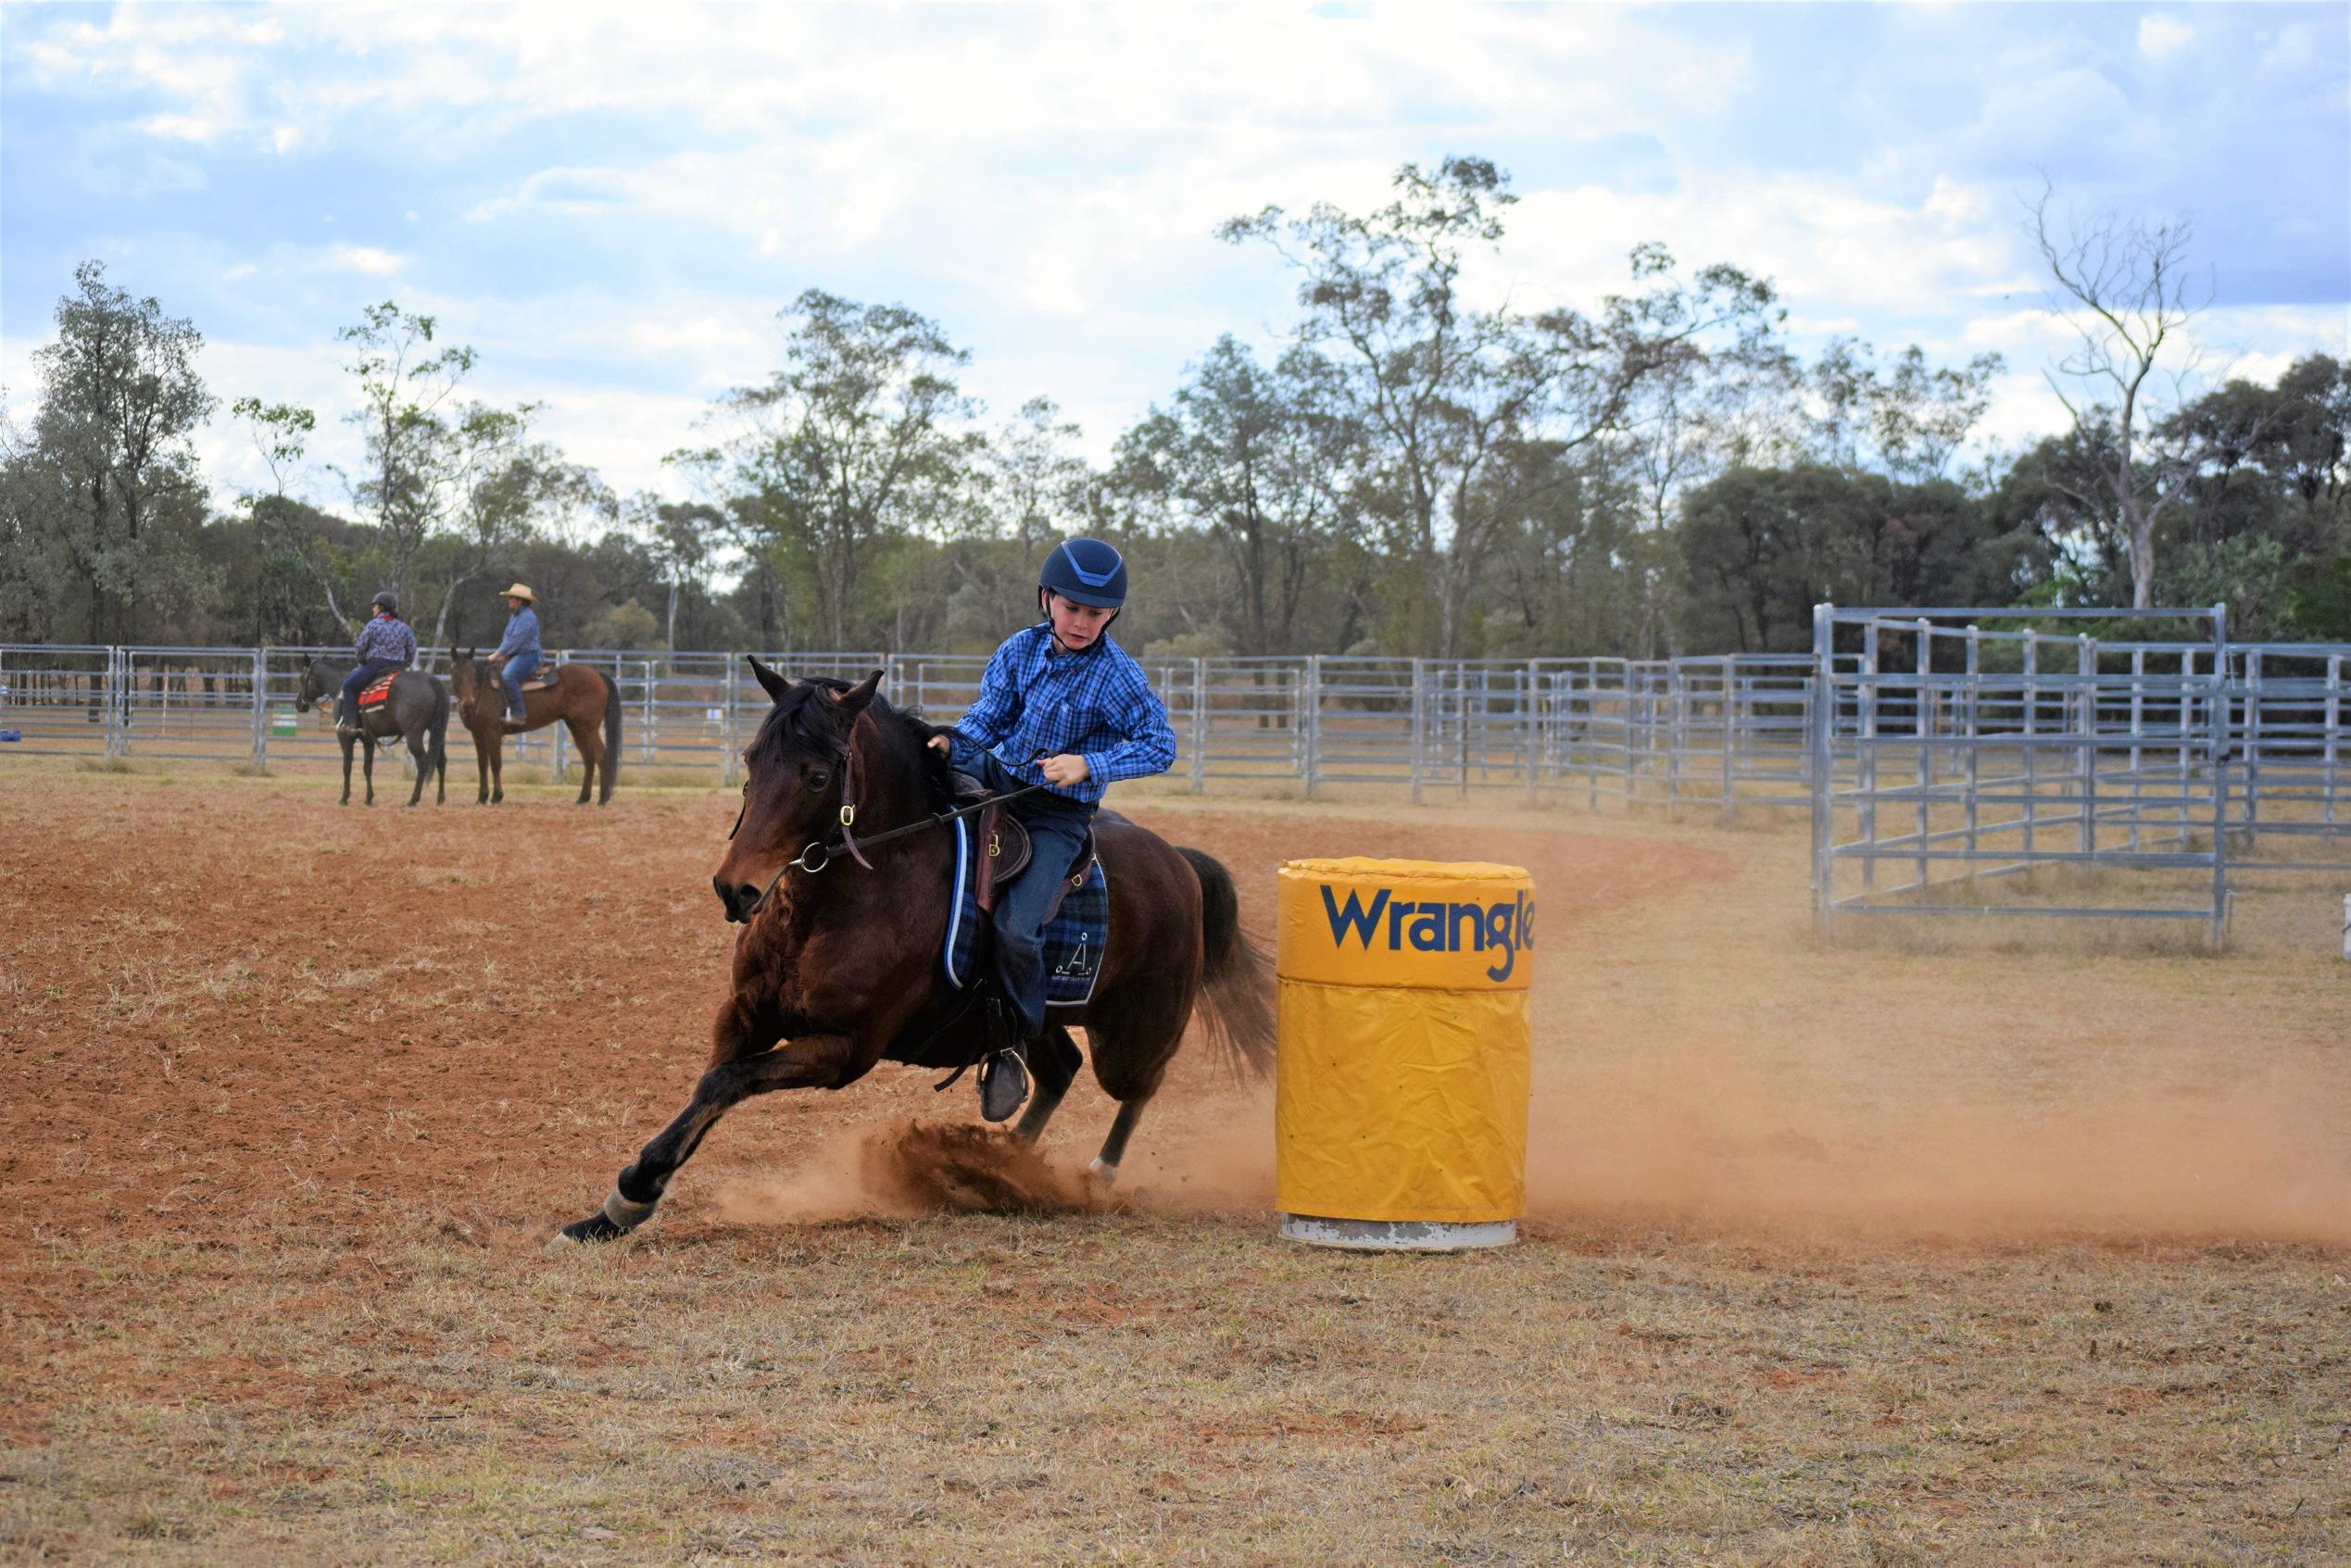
(511, 674)
(1057, 828)
(357, 681)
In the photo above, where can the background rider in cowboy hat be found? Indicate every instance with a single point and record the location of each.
(518, 654)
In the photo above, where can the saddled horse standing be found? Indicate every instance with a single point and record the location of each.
(416, 710)
(838, 965)
(580, 696)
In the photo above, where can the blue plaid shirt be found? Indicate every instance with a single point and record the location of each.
(1037, 702)
(387, 638)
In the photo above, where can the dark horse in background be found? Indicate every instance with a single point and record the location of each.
(582, 696)
(417, 709)
(838, 969)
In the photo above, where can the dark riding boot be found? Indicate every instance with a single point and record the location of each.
(1003, 1076)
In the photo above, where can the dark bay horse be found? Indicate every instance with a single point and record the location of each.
(417, 709)
(582, 696)
(838, 969)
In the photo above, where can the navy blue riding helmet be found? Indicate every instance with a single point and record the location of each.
(1086, 572)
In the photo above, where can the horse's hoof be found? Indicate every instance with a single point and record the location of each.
(586, 1233)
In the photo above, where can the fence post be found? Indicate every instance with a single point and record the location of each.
(2334, 725)
(1420, 721)
(114, 702)
(1314, 725)
(652, 715)
(555, 735)
(1200, 725)
(261, 708)
(1819, 715)
(2086, 707)
(732, 730)
(1533, 729)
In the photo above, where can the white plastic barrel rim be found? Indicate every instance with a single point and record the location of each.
(1399, 1236)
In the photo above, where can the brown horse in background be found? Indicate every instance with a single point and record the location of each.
(582, 696)
(838, 968)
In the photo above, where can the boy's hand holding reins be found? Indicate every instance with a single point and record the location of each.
(1062, 771)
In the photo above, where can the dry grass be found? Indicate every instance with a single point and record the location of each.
(1839, 1253)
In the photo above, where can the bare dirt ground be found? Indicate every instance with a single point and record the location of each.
(2032, 1248)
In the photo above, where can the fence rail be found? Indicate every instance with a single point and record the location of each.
(1946, 756)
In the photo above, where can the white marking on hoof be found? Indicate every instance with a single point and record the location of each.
(625, 1215)
(1102, 1174)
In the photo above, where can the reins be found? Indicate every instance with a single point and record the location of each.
(824, 854)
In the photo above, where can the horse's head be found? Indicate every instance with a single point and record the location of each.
(465, 684)
(792, 784)
(318, 683)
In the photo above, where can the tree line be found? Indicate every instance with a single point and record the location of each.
(1411, 472)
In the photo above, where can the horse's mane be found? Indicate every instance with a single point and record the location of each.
(807, 718)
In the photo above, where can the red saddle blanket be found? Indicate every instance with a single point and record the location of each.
(378, 689)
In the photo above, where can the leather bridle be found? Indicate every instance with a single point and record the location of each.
(824, 854)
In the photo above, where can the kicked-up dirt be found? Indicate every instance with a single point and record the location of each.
(2033, 1251)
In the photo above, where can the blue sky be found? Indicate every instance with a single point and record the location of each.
(612, 204)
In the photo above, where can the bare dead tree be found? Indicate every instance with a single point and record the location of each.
(2131, 293)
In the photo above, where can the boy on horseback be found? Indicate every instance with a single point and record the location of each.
(1062, 706)
(385, 644)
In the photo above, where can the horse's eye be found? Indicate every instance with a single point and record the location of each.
(819, 779)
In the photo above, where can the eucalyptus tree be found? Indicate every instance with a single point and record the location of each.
(1443, 389)
(2126, 288)
(1258, 458)
(104, 496)
(853, 443)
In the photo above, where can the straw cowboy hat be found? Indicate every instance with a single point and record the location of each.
(519, 592)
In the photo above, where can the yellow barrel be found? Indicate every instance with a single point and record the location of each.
(1400, 1093)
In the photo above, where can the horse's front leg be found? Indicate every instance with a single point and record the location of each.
(366, 750)
(816, 1062)
(347, 770)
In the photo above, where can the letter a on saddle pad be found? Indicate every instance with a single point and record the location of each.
(1073, 938)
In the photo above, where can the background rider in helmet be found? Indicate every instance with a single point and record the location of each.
(1063, 706)
(385, 644)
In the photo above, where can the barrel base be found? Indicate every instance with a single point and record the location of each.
(1398, 1236)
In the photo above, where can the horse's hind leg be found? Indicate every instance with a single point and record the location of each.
(591, 746)
(366, 750)
(346, 770)
(1105, 1167)
(816, 1063)
(417, 749)
(1055, 1061)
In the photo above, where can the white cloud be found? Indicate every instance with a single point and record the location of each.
(2161, 36)
(366, 259)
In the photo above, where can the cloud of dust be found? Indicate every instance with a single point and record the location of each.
(1719, 1142)
(1709, 1141)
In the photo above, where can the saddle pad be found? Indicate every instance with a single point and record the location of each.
(377, 690)
(1074, 937)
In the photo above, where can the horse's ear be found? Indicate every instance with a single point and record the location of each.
(775, 684)
(857, 697)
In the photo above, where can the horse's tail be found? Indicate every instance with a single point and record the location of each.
(1236, 974)
(611, 736)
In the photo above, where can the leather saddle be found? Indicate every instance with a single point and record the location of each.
(543, 678)
(1005, 848)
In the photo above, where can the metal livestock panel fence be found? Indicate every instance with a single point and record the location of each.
(1960, 768)
(1667, 732)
